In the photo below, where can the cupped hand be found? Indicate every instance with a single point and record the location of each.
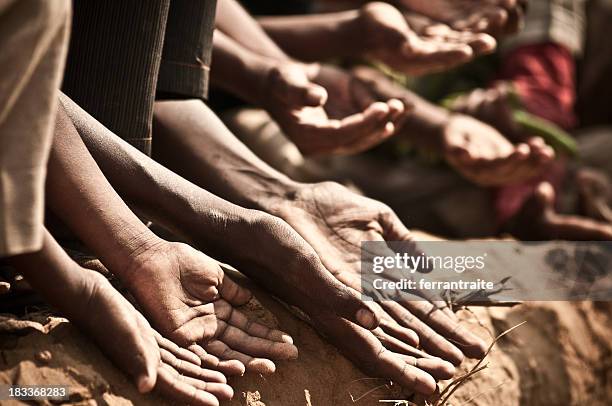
(291, 270)
(317, 113)
(497, 17)
(492, 106)
(414, 44)
(334, 221)
(189, 299)
(150, 359)
(485, 157)
(476, 150)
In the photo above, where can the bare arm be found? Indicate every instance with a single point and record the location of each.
(234, 21)
(263, 246)
(80, 195)
(317, 37)
(150, 188)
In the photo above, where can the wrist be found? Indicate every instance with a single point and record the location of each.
(429, 122)
(269, 193)
(351, 31)
(257, 79)
(134, 253)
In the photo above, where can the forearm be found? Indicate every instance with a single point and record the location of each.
(238, 70)
(52, 273)
(193, 142)
(334, 34)
(189, 211)
(234, 21)
(424, 126)
(79, 194)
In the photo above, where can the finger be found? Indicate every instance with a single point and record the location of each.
(436, 55)
(335, 297)
(394, 329)
(228, 367)
(514, 168)
(221, 391)
(295, 89)
(436, 367)
(480, 43)
(475, 22)
(361, 131)
(255, 346)
(145, 357)
(239, 320)
(429, 340)
(179, 352)
(170, 384)
(396, 109)
(257, 365)
(358, 132)
(448, 328)
(393, 229)
(393, 344)
(366, 351)
(543, 151)
(234, 293)
(189, 369)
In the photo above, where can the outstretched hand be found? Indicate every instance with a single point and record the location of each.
(188, 298)
(476, 150)
(186, 375)
(301, 100)
(414, 44)
(335, 221)
(485, 157)
(497, 17)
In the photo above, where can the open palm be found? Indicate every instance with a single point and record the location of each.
(188, 298)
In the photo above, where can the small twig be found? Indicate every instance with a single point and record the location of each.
(476, 368)
(457, 383)
(365, 394)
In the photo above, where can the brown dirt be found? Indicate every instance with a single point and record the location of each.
(561, 356)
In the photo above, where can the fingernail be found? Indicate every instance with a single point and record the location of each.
(366, 318)
(287, 339)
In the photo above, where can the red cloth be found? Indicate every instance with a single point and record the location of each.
(544, 77)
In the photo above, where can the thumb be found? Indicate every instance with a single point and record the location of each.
(234, 293)
(291, 85)
(347, 303)
(144, 370)
(388, 24)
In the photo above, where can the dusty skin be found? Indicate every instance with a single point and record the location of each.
(561, 365)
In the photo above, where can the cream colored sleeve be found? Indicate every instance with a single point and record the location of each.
(33, 46)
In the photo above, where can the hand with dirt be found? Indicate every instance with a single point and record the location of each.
(485, 157)
(335, 221)
(188, 298)
(283, 262)
(414, 44)
(122, 333)
(496, 17)
(154, 362)
(300, 100)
